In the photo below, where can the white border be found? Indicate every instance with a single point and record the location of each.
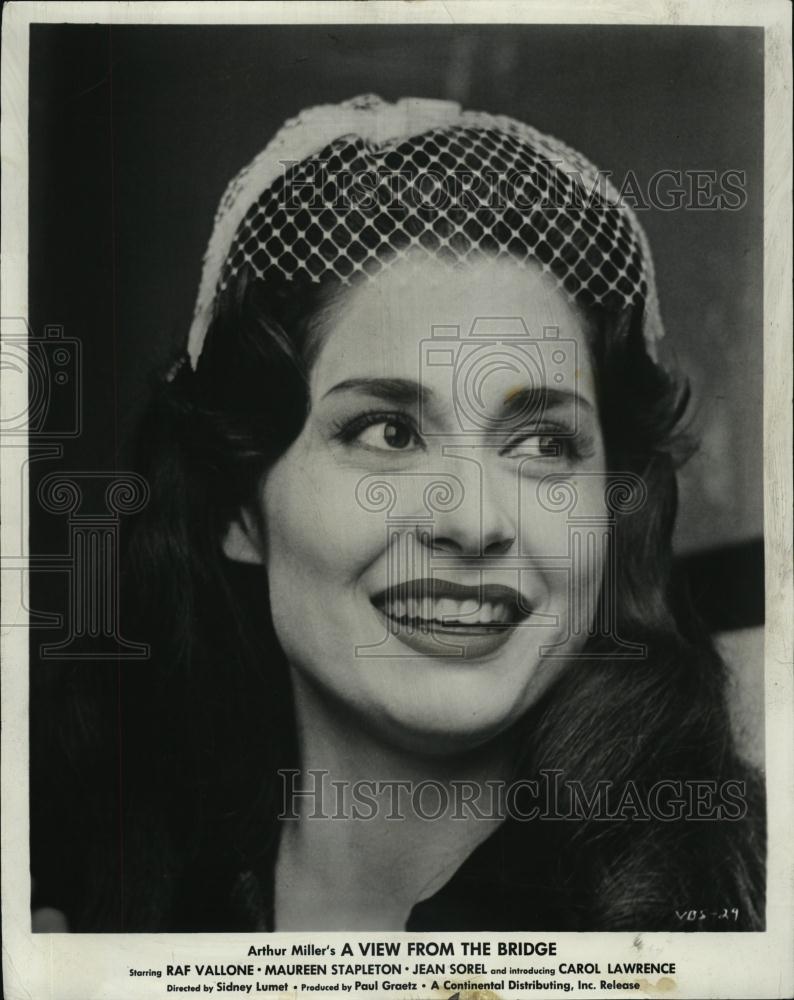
(711, 965)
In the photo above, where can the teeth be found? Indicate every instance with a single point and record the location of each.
(468, 608)
(447, 611)
(446, 608)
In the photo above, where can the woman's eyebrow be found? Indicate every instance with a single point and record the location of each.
(543, 398)
(395, 390)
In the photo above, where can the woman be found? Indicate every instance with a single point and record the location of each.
(413, 494)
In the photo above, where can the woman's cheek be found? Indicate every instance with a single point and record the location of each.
(588, 537)
(314, 521)
(568, 547)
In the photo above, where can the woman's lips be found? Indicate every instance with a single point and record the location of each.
(441, 618)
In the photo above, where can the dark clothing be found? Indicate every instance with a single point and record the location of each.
(499, 887)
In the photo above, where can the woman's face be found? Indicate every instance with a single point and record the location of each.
(420, 563)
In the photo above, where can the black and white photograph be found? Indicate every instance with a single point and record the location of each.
(396, 499)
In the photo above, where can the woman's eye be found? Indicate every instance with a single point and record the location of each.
(538, 446)
(391, 435)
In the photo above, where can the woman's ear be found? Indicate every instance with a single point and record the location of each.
(242, 541)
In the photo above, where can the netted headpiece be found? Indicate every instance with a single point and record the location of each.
(343, 191)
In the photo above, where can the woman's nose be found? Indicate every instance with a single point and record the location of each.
(482, 524)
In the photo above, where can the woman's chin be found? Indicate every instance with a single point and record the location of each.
(454, 729)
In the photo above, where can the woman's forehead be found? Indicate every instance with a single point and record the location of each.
(420, 318)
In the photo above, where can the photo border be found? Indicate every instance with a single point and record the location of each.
(710, 965)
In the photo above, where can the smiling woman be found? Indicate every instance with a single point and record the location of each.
(481, 608)
(413, 493)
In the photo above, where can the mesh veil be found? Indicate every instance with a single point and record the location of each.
(343, 191)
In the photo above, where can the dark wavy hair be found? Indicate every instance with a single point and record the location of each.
(165, 759)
